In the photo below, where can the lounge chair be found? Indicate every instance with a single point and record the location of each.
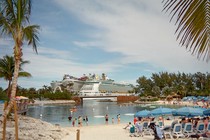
(173, 123)
(146, 129)
(168, 133)
(200, 128)
(208, 127)
(167, 130)
(188, 130)
(177, 131)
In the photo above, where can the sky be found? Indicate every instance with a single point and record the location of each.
(125, 39)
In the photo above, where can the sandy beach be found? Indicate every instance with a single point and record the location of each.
(105, 132)
(35, 129)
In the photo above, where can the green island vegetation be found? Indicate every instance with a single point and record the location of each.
(158, 86)
(164, 84)
(42, 93)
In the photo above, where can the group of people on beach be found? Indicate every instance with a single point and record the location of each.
(80, 120)
(107, 119)
(183, 121)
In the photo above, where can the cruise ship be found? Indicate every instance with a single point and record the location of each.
(91, 85)
(100, 86)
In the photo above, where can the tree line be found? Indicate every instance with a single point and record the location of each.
(164, 84)
(45, 92)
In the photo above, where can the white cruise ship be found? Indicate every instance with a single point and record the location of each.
(101, 86)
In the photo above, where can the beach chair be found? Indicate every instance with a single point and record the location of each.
(167, 130)
(188, 130)
(208, 127)
(173, 123)
(168, 133)
(200, 128)
(146, 129)
(177, 131)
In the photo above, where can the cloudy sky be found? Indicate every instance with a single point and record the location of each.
(125, 39)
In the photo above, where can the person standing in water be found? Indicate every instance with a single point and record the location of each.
(112, 120)
(86, 120)
(118, 118)
(73, 122)
(107, 119)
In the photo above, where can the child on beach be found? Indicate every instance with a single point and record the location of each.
(112, 120)
(128, 126)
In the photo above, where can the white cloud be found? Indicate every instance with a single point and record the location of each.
(86, 44)
(138, 30)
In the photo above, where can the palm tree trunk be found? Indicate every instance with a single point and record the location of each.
(9, 89)
(13, 92)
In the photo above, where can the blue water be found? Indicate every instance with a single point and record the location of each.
(95, 110)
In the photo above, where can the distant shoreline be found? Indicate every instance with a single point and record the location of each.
(160, 102)
(48, 102)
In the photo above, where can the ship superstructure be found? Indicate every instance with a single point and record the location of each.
(91, 85)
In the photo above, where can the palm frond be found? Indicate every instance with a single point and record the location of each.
(24, 74)
(31, 34)
(193, 24)
(7, 65)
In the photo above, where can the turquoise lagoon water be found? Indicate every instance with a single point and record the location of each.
(94, 109)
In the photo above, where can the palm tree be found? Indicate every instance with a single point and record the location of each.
(7, 65)
(14, 23)
(192, 17)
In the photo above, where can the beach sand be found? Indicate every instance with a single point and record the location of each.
(35, 129)
(105, 132)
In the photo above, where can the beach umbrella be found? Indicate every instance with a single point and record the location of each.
(192, 98)
(188, 112)
(206, 112)
(207, 98)
(161, 111)
(142, 113)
